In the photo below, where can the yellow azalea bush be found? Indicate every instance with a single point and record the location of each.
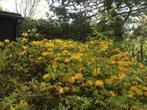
(69, 75)
(32, 34)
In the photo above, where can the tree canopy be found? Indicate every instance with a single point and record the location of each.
(113, 13)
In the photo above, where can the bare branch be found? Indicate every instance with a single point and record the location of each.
(27, 8)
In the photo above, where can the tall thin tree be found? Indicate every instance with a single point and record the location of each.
(28, 8)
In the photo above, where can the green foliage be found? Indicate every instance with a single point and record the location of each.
(137, 49)
(42, 29)
(100, 33)
(114, 15)
(50, 29)
(137, 42)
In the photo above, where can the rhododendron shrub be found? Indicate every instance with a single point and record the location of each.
(68, 75)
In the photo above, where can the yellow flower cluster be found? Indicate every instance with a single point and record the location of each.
(75, 63)
(77, 56)
(99, 84)
(29, 33)
(136, 90)
(124, 63)
(89, 83)
(7, 41)
(43, 43)
(25, 34)
(75, 77)
(44, 54)
(104, 45)
(96, 71)
(111, 80)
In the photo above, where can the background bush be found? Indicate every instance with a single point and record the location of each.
(50, 29)
(45, 29)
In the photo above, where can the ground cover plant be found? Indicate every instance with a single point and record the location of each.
(70, 75)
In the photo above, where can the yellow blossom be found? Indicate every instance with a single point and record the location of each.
(108, 81)
(114, 77)
(37, 43)
(24, 39)
(49, 49)
(111, 79)
(23, 52)
(24, 47)
(65, 51)
(99, 83)
(126, 53)
(96, 72)
(23, 103)
(58, 41)
(47, 44)
(28, 30)
(24, 34)
(77, 56)
(122, 68)
(105, 45)
(113, 61)
(78, 76)
(121, 76)
(133, 88)
(7, 41)
(46, 76)
(44, 54)
(57, 58)
(66, 60)
(60, 90)
(112, 93)
(136, 90)
(124, 63)
(89, 83)
(71, 80)
(139, 92)
(142, 66)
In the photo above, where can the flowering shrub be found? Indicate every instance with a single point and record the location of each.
(32, 34)
(68, 75)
